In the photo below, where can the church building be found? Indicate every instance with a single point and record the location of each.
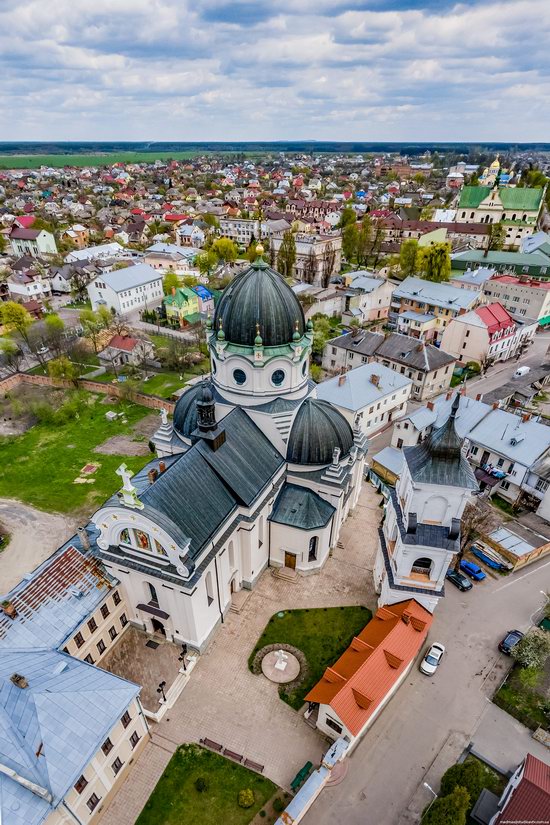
(253, 471)
(421, 529)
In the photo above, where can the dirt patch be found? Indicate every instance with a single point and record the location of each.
(122, 445)
(16, 416)
(148, 425)
(34, 536)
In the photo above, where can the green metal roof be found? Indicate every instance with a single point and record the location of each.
(511, 197)
(302, 508)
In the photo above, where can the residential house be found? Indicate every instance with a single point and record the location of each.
(56, 624)
(318, 257)
(206, 299)
(101, 252)
(124, 349)
(33, 242)
(457, 234)
(473, 278)
(429, 368)
(423, 308)
(350, 350)
(243, 230)
(169, 257)
(314, 299)
(190, 235)
(487, 333)
(367, 298)
(352, 692)
(28, 284)
(370, 395)
(182, 306)
(126, 290)
(522, 297)
(526, 797)
(78, 234)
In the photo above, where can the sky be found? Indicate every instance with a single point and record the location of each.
(346, 70)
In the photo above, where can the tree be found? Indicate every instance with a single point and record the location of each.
(469, 774)
(225, 249)
(496, 237)
(211, 220)
(408, 257)
(79, 281)
(16, 318)
(105, 316)
(93, 326)
(533, 650)
(327, 263)
(11, 355)
(349, 241)
(287, 254)
(477, 520)
(3, 243)
(61, 369)
(170, 282)
(55, 328)
(322, 332)
(189, 281)
(363, 246)
(448, 810)
(206, 262)
(347, 217)
(435, 262)
(309, 269)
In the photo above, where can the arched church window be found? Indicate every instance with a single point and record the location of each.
(422, 565)
(231, 556)
(209, 590)
(239, 377)
(160, 549)
(152, 594)
(124, 537)
(214, 367)
(313, 544)
(142, 540)
(278, 377)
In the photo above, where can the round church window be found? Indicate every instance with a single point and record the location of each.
(278, 377)
(239, 377)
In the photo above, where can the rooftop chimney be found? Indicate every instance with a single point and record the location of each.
(449, 395)
(430, 405)
(9, 609)
(18, 680)
(341, 379)
(526, 417)
(495, 405)
(375, 379)
(84, 538)
(479, 396)
(152, 475)
(162, 466)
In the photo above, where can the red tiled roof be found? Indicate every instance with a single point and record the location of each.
(512, 279)
(124, 342)
(25, 221)
(25, 234)
(530, 800)
(172, 216)
(364, 675)
(495, 317)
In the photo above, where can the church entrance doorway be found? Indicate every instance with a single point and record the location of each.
(158, 627)
(232, 585)
(290, 560)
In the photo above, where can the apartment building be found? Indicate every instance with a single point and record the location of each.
(423, 308)
(522, 297)
(243, 230)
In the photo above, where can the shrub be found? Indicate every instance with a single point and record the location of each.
(278, 805)
(469, 775)
(262, 813)
(533, 650)
(448, 810)
(200, 784)
(246, 798)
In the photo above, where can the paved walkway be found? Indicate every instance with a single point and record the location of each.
(504, 741)
(225, 702)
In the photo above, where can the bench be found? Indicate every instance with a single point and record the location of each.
(213, 746)
(248, 763)
(301, 776)
(232, 755)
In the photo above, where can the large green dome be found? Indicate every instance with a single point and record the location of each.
(318, 428)
(259, 297)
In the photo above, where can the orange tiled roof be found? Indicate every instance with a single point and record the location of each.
(361, 678)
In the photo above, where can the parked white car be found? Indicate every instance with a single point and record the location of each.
(432, 659)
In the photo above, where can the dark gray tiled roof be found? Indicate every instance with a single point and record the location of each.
(425, 535)
(364, 342)
(414, 353)
(299, 507)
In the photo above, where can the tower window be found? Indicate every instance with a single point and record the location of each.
(239, 377)
(313, 544)
(278, 377)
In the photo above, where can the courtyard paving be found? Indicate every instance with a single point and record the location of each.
(225, 702)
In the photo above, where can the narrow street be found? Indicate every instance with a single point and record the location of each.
(433, 715)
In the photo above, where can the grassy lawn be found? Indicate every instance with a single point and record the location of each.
(106, 159)
(526, 702)
(322, 634)
(503, 505)
(163, 384)
(40, 466)
(176, 800)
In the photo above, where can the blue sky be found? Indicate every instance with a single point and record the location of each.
(266, 70)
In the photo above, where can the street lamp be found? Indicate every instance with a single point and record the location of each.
(429, 787)
(160, 690)
(181, 657)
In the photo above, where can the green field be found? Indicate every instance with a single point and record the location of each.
(106, 159)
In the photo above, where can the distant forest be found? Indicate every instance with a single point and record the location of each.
(332, 147)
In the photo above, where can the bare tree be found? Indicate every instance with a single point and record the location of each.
(309, 269)
(478, 519)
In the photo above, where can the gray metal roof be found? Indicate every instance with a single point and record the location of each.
(441, 295)
(130, 277)
(414, 353)
(302, 508)
(366, 343)
(317, 429)
(355, 390)
(507, 434)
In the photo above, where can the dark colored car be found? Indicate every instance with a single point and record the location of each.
(510, 640)
(459, 580)
(472, 570)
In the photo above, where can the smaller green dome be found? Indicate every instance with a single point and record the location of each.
(310, 325)
(258, 341)
(296, 336)
(221, 334)
(209, 322)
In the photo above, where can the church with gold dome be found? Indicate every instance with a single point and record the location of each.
(253, 471)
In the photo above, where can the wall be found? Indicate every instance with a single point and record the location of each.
(293, 540)
(101, 633)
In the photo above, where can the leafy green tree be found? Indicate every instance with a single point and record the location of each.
(448, 810)
(3, 243)
(189, 280)
(469, 774)
(170, 282)
(287, 254)
(364, 241)
(11, 355)
(322, 332)
(349, 241)
(55, 328)
(347, 216)
(211, 220)
(408, 257)
(93, 325)
(225, 249)
(61, 369)
(497, 235)
(435, 262)
(477, 520)
(16, 318)
(533, 650)
(206, 262)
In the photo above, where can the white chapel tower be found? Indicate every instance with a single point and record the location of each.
(421, 530)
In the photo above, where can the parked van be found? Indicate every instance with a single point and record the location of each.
(521, 371)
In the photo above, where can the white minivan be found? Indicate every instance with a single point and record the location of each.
(521, 371)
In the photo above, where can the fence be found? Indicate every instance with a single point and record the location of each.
(153, 402)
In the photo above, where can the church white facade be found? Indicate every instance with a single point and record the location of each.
(253, 471)
(421, 529)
